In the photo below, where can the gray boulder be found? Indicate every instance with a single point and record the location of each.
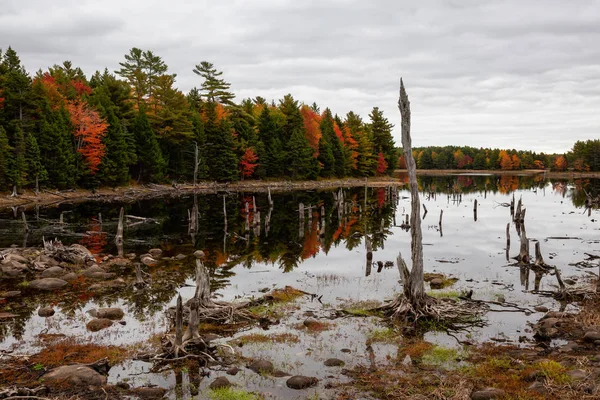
(75, 375)
(48, 284)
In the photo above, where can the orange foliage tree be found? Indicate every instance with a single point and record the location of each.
(538, 164)
(248, 163)
(401, 163)
(560, 164)
(516, 162)
(312, 127)
(352, 146)
(505, 160)
(90, 128)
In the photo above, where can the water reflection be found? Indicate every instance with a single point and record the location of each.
(239, 231)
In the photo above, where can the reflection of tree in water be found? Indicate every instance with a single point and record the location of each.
(480, 183)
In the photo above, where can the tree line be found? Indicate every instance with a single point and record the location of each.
(60, 129)
(584, 156)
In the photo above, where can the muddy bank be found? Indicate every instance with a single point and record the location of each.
(28, 199)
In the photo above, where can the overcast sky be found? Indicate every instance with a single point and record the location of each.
(505, 73)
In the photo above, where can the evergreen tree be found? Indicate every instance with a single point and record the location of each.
(302, 165)
(150, 163)
(18, 169)
(270, 154)
(5, 159)
(35, 168)
(215, 88)
(332, 139)
(381, 131)
(220, 146)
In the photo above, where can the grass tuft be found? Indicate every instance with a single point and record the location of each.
(232, 394)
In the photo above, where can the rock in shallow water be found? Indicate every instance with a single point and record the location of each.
(46, 311)
(334, 362)
(220, 383)
(261, 366)
(53, 272)
(75, 375)
(98, 324)
(109, 313)
(299, 382)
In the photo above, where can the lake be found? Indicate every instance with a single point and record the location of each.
(322, 253)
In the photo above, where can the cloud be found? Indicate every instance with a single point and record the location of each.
(482, 73)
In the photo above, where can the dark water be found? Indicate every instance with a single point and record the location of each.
(329, 261)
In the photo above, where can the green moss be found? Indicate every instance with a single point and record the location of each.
(363, 308)
(443, 356)
(383, 335)
(553, 371)
(232, 394)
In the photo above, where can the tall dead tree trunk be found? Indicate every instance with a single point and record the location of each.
(414, 289)
(119, 237)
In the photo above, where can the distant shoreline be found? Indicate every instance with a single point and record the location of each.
(524, 172)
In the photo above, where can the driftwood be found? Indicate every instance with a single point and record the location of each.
(119, 236)
(475, 210)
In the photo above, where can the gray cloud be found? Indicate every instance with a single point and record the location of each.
(483, 73)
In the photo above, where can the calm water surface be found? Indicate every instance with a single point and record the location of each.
(328, 261)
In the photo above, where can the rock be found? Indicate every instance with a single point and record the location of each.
(280, 374)
(7, 315)
(15, 257)
(149, 261)
(75, 375)
(155, 253)
(180, 257)
(547, 328)
(233, 371)
(346, 351)
(53, 272)
(199, 254)
(48, 284)
(98, 324)
(334, 362)
(487, 394)
(220, 383)
(46, 311)
(299, 382)
(591, 336)
(69, 277)
(538, 387)
(109, 313)
(261, 366)
(569, 347)
(577, 374)
(92, 270)
(407, 361)
(436, 283)
(149, 392)
(123, 385)
(131, 256)
(501, 298)
(13, 269)
(569, 281)
(541, 308)
(11, 294)
(311, 323)
(123, 323)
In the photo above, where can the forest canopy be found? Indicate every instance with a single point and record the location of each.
(61, 128)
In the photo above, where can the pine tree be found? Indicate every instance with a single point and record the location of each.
(220, 146)
(33, 159)
(271, 155)
(150, 163)
(18, 169)
(302, 165)
(381, 131)
(5, 159)
(215, 88)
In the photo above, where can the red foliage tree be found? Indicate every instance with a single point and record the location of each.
(248, 163)
(81, 88)
(90, 128)
(382, 165)
(1, 100)
(312, 129)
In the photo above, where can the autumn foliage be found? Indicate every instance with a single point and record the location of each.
(382, 165)
(248, 163)
(90, 128)
(312, 122)
(560, 164)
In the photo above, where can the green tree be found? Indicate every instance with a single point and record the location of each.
(220, 146)
(150, 163)
(381, 131)
(5, 158)
(214, 88)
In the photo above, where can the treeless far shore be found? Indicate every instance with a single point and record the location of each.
(28, 199)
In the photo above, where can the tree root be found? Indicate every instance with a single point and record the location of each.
(452, 314)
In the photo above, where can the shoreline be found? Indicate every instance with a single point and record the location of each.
(28, 199)
(125, 194)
